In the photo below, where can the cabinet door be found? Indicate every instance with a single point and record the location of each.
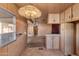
(68, 15)
(62, 17)
(53, 19)
(75, 12)
(55, 43)
(49, 42)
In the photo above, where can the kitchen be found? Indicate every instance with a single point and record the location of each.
(57, 28)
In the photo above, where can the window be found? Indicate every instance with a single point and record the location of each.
(7, 31)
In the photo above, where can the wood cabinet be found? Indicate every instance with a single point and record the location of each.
(75, 13)
(68, 12)
(52, 41)
(67, 34)
(53, 19)
(62, 17)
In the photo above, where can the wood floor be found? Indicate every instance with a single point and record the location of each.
(40, 51)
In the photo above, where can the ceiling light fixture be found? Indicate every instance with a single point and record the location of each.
(31, 13)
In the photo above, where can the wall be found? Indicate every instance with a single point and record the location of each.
(16, 47)
(20, 43)
(43, 29)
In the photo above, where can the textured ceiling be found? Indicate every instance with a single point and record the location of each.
(47, 8)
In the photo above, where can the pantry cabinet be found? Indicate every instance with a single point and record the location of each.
(53, 19)
(68, 15)
(67, 32)
(75, 13)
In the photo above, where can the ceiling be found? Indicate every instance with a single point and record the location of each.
(6, 16)
(5, 13)
(47, 8)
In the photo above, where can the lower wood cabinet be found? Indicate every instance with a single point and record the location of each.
(52, 41)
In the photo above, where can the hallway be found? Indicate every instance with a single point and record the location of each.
(41, 51)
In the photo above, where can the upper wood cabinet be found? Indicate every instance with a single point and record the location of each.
(75, 13)
(53, 19)
(62, 15)
(68, 15)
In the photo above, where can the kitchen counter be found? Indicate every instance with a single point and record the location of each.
(52, 34)
(52, 41)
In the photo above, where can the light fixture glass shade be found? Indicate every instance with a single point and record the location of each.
(30, 12)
